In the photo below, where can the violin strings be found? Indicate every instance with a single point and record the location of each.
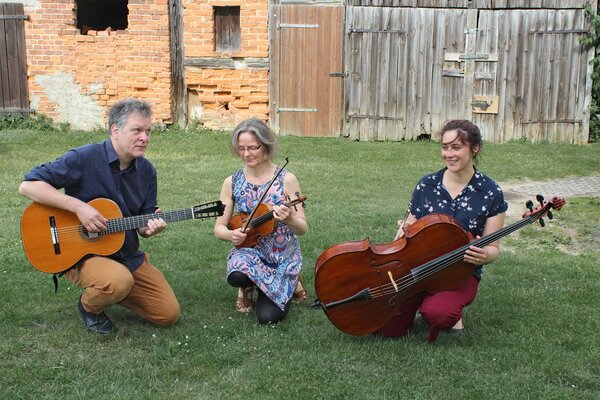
(268, 216)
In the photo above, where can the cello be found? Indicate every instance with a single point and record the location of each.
(361, 285)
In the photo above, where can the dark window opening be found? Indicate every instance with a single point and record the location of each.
(227, 28)
(99, 15)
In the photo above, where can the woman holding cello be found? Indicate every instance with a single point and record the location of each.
(477, 203)
(270, 260)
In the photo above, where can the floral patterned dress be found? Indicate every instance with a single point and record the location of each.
(275, 263)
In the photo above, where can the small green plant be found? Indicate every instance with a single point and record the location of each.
(11, 121)
(38, 122)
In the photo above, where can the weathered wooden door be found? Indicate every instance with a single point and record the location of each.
(14, 96)
(306, 69)
(396, 88)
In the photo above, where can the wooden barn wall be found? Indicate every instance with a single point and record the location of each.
(394, 57)
(480, 4)
(516, 73)
(540, 77)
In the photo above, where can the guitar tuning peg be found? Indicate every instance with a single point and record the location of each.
(550, 215)
(529, 205)
(540, 199)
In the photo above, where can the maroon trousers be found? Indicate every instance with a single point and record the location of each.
(440, 311)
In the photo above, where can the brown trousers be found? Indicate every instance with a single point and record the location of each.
(146, 292)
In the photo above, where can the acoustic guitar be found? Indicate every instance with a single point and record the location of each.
(54, 240)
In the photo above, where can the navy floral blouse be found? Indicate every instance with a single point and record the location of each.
(481, 199)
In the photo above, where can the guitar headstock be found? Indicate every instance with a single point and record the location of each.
(544, 208)
(208, 210)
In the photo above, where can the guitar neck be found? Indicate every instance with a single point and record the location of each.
(139, 221)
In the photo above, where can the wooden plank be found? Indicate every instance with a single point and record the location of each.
(4, 77)
(13, 57)
(404, 65)
(523, 58)
(335, 55)
(413, 74)
(22, 52)
(394, 102)
(179, 97)
(275, 66)
(438, 83)
(470, 43)
(508, 92)
(477, 56)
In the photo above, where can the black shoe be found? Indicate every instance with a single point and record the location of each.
(97, 323)
(455, 331)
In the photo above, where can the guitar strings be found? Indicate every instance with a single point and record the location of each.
(132, 222)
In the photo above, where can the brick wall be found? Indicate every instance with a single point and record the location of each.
(75, 78)
(220, 97)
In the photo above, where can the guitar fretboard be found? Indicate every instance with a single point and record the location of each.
(138, 221)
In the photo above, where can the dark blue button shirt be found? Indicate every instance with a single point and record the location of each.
(481, 199)
(92, 171)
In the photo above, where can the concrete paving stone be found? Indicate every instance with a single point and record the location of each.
(588, 186)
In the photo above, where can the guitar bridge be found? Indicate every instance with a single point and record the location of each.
(54, 235)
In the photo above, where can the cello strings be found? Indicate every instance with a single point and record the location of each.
(434, 266)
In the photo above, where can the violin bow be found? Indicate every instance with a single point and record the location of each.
(401, 226)
(249, 219)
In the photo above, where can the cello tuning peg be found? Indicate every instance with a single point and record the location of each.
(550, 215)
(542, 223)
(540, 198)
(529, 205)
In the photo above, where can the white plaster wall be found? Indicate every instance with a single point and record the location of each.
(75, 108)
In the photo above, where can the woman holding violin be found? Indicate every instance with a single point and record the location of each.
(269, 259)
(477, 203)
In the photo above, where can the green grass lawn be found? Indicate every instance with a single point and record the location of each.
(532, 333)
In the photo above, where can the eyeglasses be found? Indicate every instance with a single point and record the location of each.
(251, 149)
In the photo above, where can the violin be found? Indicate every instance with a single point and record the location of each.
(262, 222)
(361, 285)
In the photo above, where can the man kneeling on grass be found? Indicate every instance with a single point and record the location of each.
(117, 170)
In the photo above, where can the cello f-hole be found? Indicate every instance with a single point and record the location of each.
(391, 264)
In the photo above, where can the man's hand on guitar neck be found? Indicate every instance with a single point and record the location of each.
(154, 227)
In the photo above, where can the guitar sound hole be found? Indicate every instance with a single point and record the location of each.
(90, 236)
